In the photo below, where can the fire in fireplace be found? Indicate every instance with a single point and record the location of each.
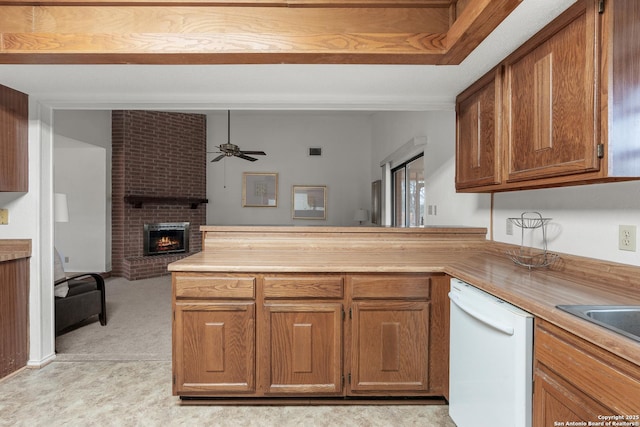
(166, 238)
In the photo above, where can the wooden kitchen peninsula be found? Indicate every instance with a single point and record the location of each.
(315, 312)
(14, 304)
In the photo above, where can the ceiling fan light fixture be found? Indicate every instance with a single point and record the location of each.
(229, 149)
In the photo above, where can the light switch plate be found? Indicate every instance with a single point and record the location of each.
(4, 216)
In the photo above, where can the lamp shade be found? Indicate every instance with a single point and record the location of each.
(361, 215)
(60, 208)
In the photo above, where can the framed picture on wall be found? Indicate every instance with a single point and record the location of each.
(309, 202)
(259, 190)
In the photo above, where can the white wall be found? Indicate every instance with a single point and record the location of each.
(391, 130)
(82, 170)
(80, 173)
(286, 137)
(585, 219)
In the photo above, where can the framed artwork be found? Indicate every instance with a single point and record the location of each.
(309, 202)
(259, 190)
(376, 204)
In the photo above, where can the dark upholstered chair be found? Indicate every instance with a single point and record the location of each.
(77, 297)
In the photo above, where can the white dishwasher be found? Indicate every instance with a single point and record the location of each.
(491, 352)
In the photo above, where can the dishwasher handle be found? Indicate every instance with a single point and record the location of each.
(471, 312)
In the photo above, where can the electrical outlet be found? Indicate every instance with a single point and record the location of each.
(627, 238)
(4, 216)
(509, 227)
(66, 260)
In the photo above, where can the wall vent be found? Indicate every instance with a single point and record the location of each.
(315, 151)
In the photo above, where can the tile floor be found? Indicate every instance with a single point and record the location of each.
(138, 393)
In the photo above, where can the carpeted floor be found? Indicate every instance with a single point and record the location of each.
(138, 325)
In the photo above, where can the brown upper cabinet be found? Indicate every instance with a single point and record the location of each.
(14, 159)
(478, 130)
(561, 110)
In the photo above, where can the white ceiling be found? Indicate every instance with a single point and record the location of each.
(279, 86)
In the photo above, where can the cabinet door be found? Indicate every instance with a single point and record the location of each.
(304, 353)
(550, 101)
(478, 133)
(14, 315)
(390, 346)
(214, 348)
(14, 122)
(556, 400)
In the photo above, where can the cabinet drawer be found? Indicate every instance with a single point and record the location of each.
(214, 286)
(390, 287)
(304, 287)
(595, 372)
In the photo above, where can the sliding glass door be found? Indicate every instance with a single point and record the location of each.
(408, 193)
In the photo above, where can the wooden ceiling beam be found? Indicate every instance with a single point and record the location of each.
(234, 3)
(240, 34)
(478, 19)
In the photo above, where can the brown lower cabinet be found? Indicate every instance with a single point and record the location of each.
(310, 335)
(14, 315)
(576, 381)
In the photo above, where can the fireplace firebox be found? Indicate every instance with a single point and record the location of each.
(166, 238)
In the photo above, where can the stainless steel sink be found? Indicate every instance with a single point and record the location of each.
(623, 319)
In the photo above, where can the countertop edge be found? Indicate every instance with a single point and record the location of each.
(12, 249)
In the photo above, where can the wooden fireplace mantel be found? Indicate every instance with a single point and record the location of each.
(138, 201)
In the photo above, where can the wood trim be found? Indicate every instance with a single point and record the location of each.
(259, 3)
(477, 20)
(138, 201)
(244, 31)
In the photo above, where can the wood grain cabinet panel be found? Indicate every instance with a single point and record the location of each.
(14, 157)
(316, 286)
(390, 346)
(398, 342)
(212, 286)
(567, 112)
(214, 348)
(14, 315)
(304, 354)
(478, 127)
(390, 286)
(295, 338)
(550, 98)
(575, 380)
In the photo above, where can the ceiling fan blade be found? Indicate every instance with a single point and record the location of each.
(242, 156)
(220, 157)
(258, 153)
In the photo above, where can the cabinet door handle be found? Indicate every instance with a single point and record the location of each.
(481, 318)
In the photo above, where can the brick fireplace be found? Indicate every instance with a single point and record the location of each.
(159, 176)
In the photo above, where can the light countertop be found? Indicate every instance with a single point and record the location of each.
(11, 249)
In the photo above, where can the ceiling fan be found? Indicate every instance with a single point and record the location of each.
(229, 149)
